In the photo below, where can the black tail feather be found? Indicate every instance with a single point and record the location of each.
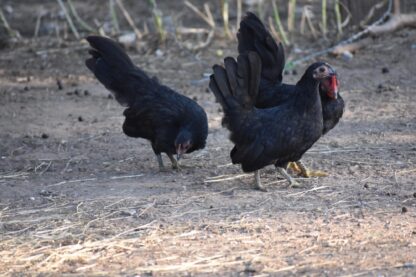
(253, 36)
(114, 69)
(235, 86)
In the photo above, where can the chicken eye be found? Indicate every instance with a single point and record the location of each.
(322, 69)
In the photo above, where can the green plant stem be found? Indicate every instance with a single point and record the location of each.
(224, 10)
(282, 32)
(157, 14)
(338, 17)
(78, 18)
(324, 18)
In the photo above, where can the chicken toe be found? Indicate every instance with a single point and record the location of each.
(305, 172)
(292, 182)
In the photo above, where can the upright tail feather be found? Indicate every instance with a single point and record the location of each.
(235, 86)
(114, 69)
(253, 36)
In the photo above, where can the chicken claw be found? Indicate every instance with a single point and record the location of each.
(292, 182)
(300, 168)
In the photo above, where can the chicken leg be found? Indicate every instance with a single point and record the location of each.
(160, 162)
(175, 164)
(300, 168)
(258, 184)
(292, 182)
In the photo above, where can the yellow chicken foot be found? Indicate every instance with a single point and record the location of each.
(294, 167)
(175, 164)
(305, 172)
(258, 184)
(292, 182)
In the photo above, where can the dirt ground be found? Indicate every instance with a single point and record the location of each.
(79, 197)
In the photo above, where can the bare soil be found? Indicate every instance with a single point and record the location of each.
(79, 197)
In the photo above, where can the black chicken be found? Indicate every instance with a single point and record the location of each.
(276, 135)
(253, 36)
(173, 123)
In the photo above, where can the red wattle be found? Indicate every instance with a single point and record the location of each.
(334, 84)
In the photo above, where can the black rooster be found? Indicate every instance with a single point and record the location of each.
(173, 123)
(276, 135)
(253, 36)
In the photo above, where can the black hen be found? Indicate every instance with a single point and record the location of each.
(253, 36)
(276, 135)
(173, 123)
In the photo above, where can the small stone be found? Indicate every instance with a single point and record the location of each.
(86, 93)
(44, 136)
(59, 84)
(294, 72)
(404, 210)
(414, 194)
(80, 119)
(385, 70)
(159, 53)
(366, 186)
(127, 40)
(128, 213)
(347, 56)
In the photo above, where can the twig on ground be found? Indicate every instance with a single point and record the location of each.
(207, 18)
(215, 180)
(129, 19)
(125, 177)
(370, 14)
(5, 23)
(306, 191)
(37, 25)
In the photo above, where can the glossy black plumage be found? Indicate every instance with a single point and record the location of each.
(275, 135)
(253, 36)
(154, 112)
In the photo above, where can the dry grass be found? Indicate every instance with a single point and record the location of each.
(110, 236)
